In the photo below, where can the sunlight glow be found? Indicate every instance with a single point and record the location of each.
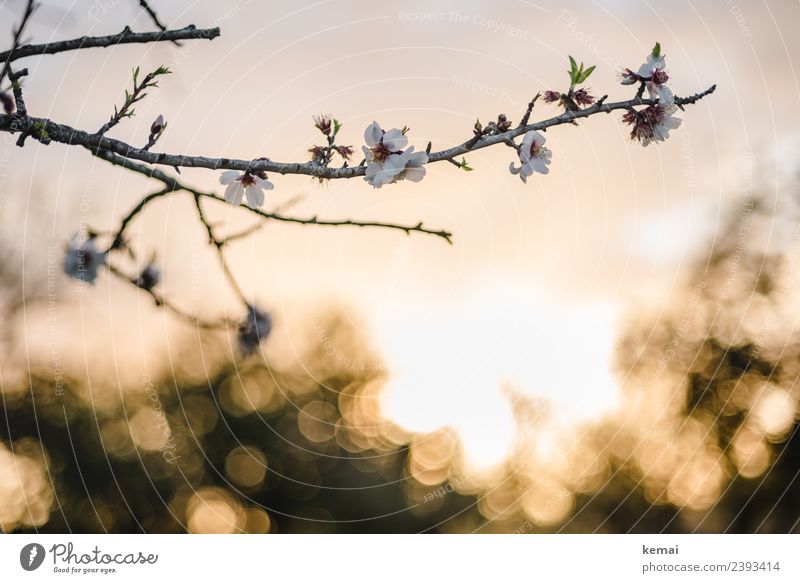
(453, 366)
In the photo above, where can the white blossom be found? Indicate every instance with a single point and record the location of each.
(387, 162)
(413, 165)
(240, 185)
(534, 157)
(654, 73)
(82, 259)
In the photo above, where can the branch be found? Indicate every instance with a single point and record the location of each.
(10, 55)
(172, 184)
(118, 242)
(567, 117)
(218, 244)
(407, 229)
(161, 301)
(133, 98)
(154, 17)
(68, 135)
(122, 38)
(16, 88)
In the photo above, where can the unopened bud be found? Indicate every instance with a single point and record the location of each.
(157, 126)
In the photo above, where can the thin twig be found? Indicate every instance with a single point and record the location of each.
(161, 301)
(118, 241)
(154, 17)
(218, 245)
(122, 38)
(132, 98)
(242, 234)
(12, 54)
(16, 88)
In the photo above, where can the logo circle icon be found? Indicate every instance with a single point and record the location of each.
(31, 556)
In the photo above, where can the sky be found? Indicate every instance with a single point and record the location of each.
(538, 272)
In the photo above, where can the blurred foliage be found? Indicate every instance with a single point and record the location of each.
(708, 441)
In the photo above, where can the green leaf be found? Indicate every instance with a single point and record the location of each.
(584, 75)
(464, 166)
(336, 126)
(657, 50)
(573, 70)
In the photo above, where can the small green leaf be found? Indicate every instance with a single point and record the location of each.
(464, 166)
(657, 50)
(585, 74)
(336, 126)
(573, 70)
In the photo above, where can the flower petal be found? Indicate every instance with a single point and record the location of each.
(396, 162)
(255, 196)
(417, 158)
(234, 193)
(373, 134)
(414, 173)
(368, 155)
(395, 140)
(264, 183)
(539, 165)
(665, 94)
(229, 176)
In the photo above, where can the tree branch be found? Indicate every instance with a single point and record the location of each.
(161, 301)
(10, 55)
(125, 37)
(172, 184)
(154, 17)
(218, 244)
(68, 135)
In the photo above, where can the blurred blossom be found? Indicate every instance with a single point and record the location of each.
(149, 277)
(82, 259)
(255, 328)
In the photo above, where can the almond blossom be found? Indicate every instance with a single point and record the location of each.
(653, 123)
(82, 258)
(387, 162)
(255, 328)
(149, 277)
(245, 184)
(653, 73)
(533, 155)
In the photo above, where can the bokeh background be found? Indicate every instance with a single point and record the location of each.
(609, 348)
